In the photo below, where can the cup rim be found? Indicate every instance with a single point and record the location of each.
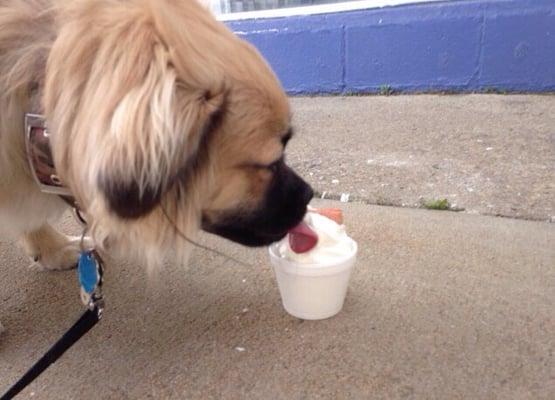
(272, 250)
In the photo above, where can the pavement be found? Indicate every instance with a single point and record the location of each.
(441, 305)
(486, 154)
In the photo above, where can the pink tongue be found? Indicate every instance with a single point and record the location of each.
(302, 238)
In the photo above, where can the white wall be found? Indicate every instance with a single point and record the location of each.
(224, 8)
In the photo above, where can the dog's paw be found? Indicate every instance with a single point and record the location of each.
(64, 256)
(49, 249)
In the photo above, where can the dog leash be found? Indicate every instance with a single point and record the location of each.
(89, 271)
(89, 267)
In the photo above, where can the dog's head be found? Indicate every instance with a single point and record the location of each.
(162, 118)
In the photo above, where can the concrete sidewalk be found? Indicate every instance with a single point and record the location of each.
(487, 154)
(441, 305)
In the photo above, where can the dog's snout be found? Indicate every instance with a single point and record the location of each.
(282, 208)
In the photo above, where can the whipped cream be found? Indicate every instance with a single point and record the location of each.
(333, 242)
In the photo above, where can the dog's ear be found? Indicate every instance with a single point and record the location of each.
(154, 138)
(130, 94)
(157, 133)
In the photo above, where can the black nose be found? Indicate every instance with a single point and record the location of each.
(295, 187)
(308, 193)
(295, 196)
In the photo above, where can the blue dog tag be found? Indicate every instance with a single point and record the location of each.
(88, 271)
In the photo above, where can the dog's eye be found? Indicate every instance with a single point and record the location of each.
(273, 167)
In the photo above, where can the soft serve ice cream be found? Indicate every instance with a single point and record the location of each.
(313, 265)
(317, 240)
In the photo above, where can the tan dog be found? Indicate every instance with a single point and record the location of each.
(160, 119)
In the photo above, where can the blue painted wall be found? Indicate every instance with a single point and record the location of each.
(464, 45)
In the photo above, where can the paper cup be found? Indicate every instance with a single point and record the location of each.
(313, 291)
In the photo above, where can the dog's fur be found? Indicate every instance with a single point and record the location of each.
(161, 120)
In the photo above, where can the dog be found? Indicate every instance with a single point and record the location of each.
(162, 123)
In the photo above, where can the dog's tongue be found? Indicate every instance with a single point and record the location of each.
(302, 238)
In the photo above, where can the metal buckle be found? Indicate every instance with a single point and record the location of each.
(39, 156)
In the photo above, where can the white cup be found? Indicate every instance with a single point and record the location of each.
(313, 291)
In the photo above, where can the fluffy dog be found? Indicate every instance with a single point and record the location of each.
(161, 119)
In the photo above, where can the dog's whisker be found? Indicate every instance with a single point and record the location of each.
(182, 235)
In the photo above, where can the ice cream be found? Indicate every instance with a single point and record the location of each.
(322, 241)
(313, 264)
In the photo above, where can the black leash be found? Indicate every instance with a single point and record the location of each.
(90, 279)
(82, 326)
(39, 155)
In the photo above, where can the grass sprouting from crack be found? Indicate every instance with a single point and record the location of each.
(440, 204)
(386, 90)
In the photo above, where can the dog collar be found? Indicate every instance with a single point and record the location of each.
(41, 162)
(39, 155)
